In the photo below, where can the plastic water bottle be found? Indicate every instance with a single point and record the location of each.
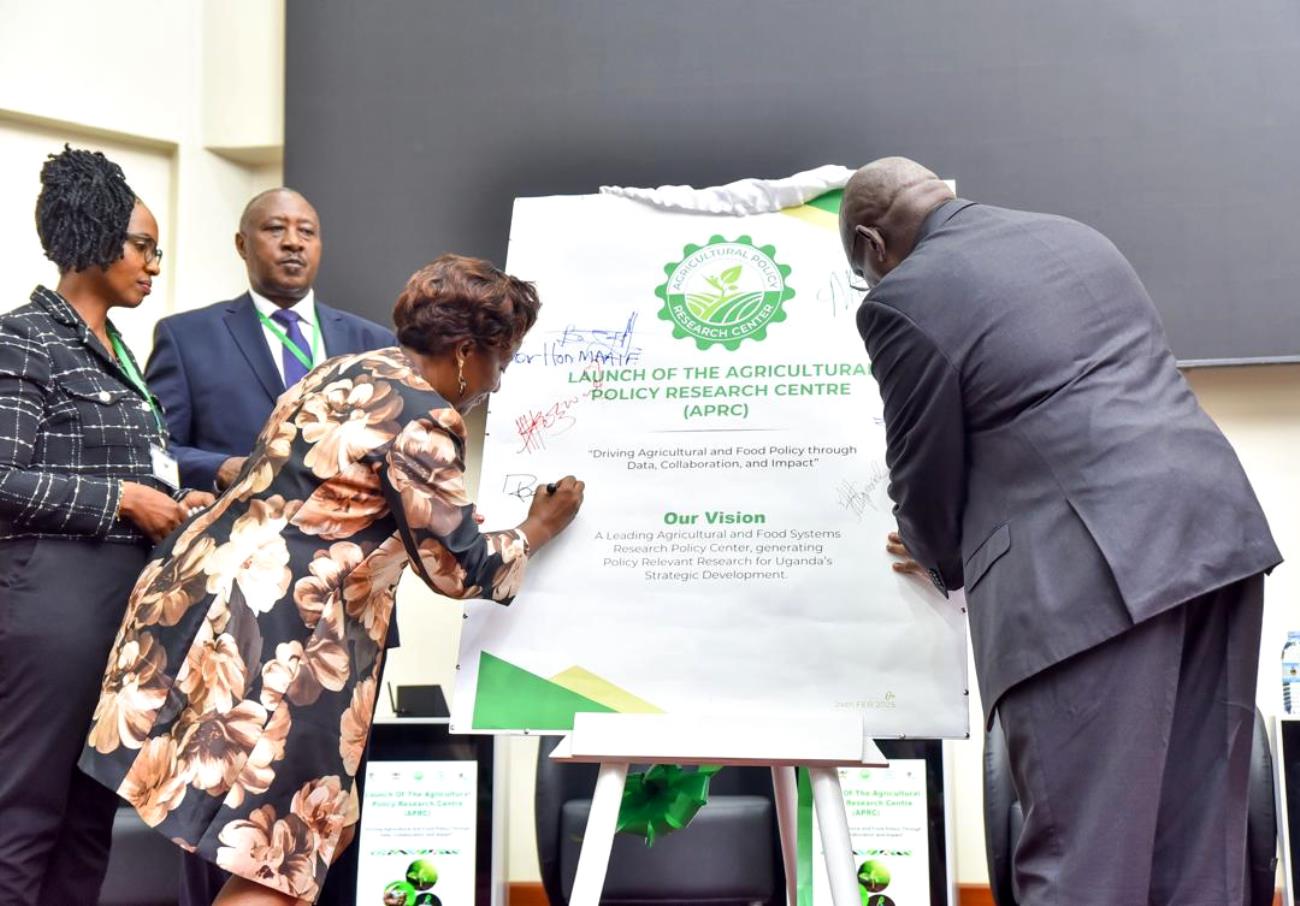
(1291, 673)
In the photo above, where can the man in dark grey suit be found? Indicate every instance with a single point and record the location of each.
(1046, 455)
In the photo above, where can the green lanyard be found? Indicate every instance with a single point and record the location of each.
(290, 345)
(127, 365)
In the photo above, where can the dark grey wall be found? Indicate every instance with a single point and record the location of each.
(1172, 126)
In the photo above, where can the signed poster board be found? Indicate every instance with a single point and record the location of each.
(703, 375)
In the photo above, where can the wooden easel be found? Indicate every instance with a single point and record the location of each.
(823, 743)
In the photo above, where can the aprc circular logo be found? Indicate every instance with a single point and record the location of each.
(724, 292)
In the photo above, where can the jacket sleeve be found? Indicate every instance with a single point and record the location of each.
(166, 377)
(42, 500)
(925, 436)
(423, 479)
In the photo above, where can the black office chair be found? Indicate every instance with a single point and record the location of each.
(1004, 820)
(730, 852)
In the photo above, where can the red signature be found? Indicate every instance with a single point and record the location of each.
(535, 427)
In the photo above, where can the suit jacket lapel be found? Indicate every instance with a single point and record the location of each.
(143, 392)
(333, 331)
(243, 324)
(95, 346)
(62, 311)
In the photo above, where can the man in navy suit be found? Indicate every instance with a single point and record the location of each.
(218, 371)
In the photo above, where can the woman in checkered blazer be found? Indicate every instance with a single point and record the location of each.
(84, 491)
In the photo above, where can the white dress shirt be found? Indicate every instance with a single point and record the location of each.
(304, 308)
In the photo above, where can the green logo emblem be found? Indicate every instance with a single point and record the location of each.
(724, 292)
(414, 891)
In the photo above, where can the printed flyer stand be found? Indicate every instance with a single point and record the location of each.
(902, 842)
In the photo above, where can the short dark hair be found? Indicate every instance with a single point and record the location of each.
(455, 298)
(245, 218)
(83, 210)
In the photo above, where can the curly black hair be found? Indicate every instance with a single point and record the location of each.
(83, 209)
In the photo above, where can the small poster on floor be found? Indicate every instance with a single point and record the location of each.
(417, 835)
(889, 829)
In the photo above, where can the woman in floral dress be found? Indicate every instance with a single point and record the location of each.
(240, 690)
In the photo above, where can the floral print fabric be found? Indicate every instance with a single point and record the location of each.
(239, 692)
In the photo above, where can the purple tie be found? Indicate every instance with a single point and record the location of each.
(294, 370)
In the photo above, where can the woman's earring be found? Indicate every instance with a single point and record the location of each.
(460, 377)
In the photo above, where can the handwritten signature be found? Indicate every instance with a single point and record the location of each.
(520, 485)
(536, 426)
(856, 497)
(587, 346)
(612, 341)
(839, 294)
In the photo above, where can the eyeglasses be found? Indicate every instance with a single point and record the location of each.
(147, 246)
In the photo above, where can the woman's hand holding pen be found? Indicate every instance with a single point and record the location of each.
(553, 508)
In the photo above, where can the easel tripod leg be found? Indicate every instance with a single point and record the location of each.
(828, 800)
(785, 790)
(593, 861)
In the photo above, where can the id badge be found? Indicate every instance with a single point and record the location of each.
(165, 467)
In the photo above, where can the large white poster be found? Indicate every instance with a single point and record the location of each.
(704, 376)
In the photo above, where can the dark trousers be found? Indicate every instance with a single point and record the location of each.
(1131, 761)
(61, 604)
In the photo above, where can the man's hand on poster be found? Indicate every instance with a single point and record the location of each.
(906, 565)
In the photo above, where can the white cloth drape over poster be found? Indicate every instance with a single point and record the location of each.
(703, 374)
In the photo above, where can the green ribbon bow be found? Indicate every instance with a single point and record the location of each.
(663, 799)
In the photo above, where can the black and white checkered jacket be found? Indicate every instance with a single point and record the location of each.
(72, 428)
